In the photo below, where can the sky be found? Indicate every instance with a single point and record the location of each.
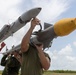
(63, 49)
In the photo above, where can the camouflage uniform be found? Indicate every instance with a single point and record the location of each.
(31, 63)
(12, 65)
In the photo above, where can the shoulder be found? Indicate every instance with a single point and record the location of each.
(31, 49)
(30, 46)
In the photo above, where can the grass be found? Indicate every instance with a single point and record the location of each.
(59, 72)
(56, 72)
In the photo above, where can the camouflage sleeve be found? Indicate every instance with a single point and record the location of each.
(3, 60)
(47, 55)
(11, 62)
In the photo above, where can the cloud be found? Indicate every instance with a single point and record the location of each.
(63, 59)
(51, 9)
(74, 43)
(66, 51)
(8, 10)
(71, 58)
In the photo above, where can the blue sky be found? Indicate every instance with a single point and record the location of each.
(63, 49)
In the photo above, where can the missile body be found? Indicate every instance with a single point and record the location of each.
(19, 23)
(61, 28)
(4, 30)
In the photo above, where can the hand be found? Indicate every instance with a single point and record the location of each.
(35, 22)
(39, 47)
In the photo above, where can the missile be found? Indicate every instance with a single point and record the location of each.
(8, 30)
(61, 28)
(4, 31)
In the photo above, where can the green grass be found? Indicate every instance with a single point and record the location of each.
(61, 74)
(56, 72)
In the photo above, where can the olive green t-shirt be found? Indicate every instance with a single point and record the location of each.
(31, 63)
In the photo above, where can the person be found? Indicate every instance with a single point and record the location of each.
(18, 56)
(12, 65)
(34, 60)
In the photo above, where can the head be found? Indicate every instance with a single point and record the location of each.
(15, 53)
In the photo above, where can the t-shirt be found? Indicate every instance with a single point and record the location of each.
(31, 63)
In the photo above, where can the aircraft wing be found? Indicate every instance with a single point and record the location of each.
(8, 30)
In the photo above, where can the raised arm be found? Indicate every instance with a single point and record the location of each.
(26, 38)
(45, 61)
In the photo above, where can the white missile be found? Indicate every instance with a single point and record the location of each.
(8, 30)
